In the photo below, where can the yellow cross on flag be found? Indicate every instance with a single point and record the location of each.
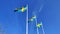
(21, 9)
(32, 19)
(39, 25)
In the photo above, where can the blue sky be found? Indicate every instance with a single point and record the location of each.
(14, 23)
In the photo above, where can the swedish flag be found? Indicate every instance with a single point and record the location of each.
(39, 25)
(33, 18)
(20, 9)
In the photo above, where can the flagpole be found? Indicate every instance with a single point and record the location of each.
(36, 25)
(27, 21)
(43, 29)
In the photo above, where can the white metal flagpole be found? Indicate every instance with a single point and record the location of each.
(36, 25)
(27, 21)
(43, 29)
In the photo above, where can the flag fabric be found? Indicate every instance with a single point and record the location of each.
(39, 25)
(33, 18)
(20, 9)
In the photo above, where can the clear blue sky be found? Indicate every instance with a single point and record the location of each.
(14, 23)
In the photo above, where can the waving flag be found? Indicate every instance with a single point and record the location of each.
(39, 25)
(20, 9)
(33, 18)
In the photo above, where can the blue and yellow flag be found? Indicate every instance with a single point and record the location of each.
(20, 9)
(33, 18)
(39, 25)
